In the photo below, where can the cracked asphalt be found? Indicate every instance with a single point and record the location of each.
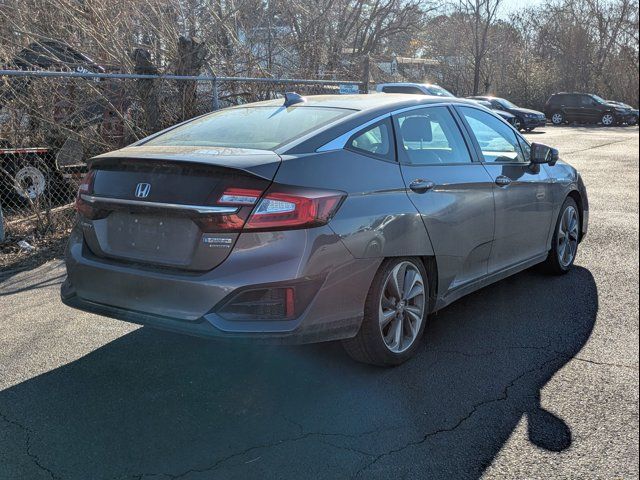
(533, 377)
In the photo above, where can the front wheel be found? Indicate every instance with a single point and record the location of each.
(564, 245)
(608, 119)
(394, 315)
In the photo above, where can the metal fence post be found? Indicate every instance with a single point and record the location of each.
(1, 226)
(215, 103)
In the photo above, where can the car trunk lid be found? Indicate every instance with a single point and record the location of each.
(161, 208)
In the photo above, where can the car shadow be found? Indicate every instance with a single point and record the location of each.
(164, 405)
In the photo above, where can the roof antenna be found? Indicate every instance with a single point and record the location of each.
(291, 98)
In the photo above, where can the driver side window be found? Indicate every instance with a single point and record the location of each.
(498, 142)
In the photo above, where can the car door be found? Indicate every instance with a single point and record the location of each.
(522, 191)
(452, 192)
(590, 109)
(572, 108)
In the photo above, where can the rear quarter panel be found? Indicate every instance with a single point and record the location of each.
(377, 219)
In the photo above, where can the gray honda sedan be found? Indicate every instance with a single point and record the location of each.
(323, 218)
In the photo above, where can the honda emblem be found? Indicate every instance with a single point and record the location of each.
(143, 190)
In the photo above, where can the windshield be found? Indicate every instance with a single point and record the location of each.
(439, 91)
(262, 128)
(505, 103)
(598, 99)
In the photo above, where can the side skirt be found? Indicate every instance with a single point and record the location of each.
(468, 288)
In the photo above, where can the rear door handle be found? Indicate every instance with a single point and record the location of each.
(421, 186)
(503, 181)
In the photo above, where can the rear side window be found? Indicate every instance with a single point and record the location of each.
(405, 89)
(498, 142)
(430, 136)
(374, 140)
(261, 128)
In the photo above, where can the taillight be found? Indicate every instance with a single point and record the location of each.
(86, 188)
(289, 207)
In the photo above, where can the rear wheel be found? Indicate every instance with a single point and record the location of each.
(564, 246)
(608, 119)
(557, 118)
(394, 316)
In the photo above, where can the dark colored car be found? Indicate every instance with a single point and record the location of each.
(631, 120)
(509, 118)
(585, 108)
(525, 119)
(346, 217)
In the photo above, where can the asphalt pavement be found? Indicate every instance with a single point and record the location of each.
(533, 377)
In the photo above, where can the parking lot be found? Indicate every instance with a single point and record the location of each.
(533, 377)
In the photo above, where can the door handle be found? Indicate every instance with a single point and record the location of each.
(421, 186)
(503, 181)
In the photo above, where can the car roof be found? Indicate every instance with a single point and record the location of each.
(364, 102)
(406, 84)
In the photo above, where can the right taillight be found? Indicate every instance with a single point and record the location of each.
(284, 208)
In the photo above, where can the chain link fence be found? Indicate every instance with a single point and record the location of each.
(52, 122)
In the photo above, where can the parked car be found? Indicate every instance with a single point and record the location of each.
(435, 90)
(585, 108)
(509, 118)
(307, 224)
(633, 118)
(526, 119)
(414, 88)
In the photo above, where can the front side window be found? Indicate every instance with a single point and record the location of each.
(430, 136)
(588, 101)
(375, 140)
(498, 142)
(261, 128)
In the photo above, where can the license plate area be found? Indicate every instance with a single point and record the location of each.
(151, 238)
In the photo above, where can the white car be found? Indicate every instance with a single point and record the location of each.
(415, 88)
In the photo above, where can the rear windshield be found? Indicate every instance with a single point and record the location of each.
(262, 128)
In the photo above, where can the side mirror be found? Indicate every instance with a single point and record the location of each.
(541, 153)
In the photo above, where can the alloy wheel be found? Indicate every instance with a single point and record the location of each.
(402, 306)
(568, 233)
(557, 118)
(607, 119)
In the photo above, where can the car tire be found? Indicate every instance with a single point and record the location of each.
(608, 119)
(557, 118)
(389, 311)
(518, 124)
(566, 237)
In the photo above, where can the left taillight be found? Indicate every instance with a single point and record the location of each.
(86, 188)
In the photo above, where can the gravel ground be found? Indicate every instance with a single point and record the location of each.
(533, 377)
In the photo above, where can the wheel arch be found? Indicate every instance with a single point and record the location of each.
(431, 266)
(577, 197)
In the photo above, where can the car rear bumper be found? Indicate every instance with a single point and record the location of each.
(186, 302)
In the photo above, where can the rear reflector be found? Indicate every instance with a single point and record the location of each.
(274, 302)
